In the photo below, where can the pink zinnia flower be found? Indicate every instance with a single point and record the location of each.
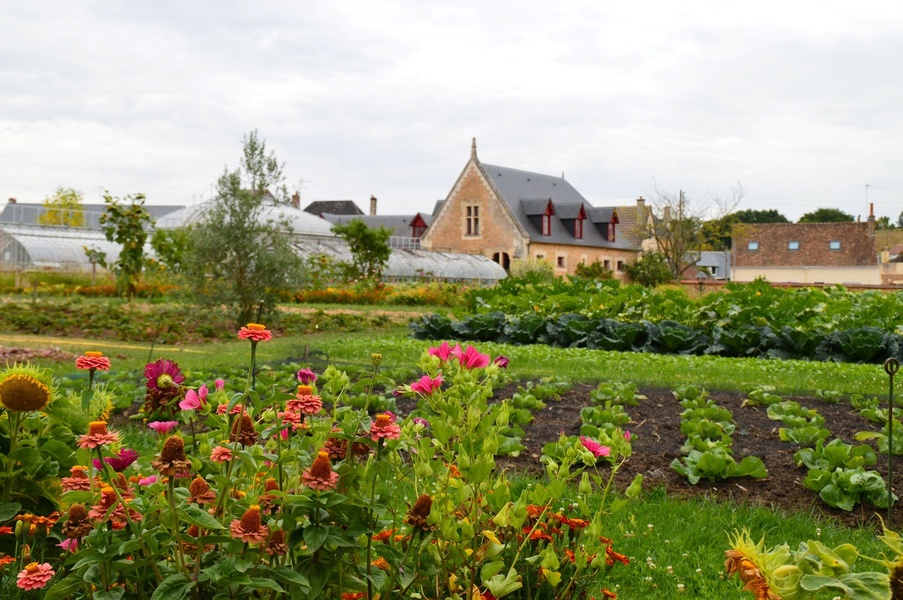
(255, 332)
(384, 428)
(120, 462)
(597, 449)
(320, 475)
(149, 480)
(307, 376)
(163, 427)
(427, 385)
(307, 404)
(221, 454)
(93, 361)
(35, 576)
(79, 480)
(471, 358)
(97, 436)
(249, 528)
(290, 416)
(221, 409)
(69, 544)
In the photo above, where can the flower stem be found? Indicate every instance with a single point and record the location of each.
(14, 418)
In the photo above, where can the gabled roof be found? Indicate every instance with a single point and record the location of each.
(525, 193)
(333, 207)
(856, 245)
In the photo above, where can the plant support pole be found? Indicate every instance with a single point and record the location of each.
(891, 366)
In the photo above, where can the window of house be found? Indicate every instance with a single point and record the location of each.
(417, 230)
(752, 246)
(562, 262)
(578, 229)
(547, 224)
(834, 245)
(607, 264)
(713, 271)
(620, 265)
(473, 220)
(794, 245)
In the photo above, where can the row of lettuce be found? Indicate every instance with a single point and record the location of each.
(745, 320)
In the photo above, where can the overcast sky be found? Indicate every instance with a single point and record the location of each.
(801, 102)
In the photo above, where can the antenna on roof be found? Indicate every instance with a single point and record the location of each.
(562, 174)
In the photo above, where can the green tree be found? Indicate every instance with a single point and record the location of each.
(170, 246)
(240, 252)
(650, 270)
(717, 232)
(369, 247)
(900, 220)
(596, 270)
(826, 215)
(64, 208)
(125, 221)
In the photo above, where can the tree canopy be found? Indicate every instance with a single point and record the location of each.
(238, 253)
(826, 215)
(64, 208)
(370, 249)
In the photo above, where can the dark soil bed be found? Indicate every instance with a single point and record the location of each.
(658, 439)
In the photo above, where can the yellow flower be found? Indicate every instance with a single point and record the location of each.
(25, 388)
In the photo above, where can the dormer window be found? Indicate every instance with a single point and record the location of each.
(578, 229)
(547, 219)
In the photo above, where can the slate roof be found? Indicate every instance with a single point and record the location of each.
(525, 191)
(399, 224)
(333, 207)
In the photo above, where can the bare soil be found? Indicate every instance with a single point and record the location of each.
(657, 440)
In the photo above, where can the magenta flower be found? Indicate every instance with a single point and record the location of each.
(150, 480)
(427, 385)
(306, 376)
(627, 435)
(501, 361)
(120, 462)
(163, 427)
(194, 399)
(443, 351)
(69, 545)
(471, 358)
(421, 421)
(597, 449)
(219, 384)
(163, 375)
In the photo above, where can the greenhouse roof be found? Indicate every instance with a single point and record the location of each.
(413, 264)
(302, 223)
(51, 247)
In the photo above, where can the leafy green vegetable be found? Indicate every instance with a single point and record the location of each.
(717, 464)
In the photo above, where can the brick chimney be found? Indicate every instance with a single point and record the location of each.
(12, 200)
(296, 200)
(871, 221)
(372, 205)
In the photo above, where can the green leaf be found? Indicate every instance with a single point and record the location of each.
(502, 586)
(173, 587)
(195, 515)
(65, 588)
(9, 510)
(314, 536)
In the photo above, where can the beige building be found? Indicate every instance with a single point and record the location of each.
(508, 214)
(830, 253)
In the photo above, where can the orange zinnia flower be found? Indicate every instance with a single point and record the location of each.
(249, 528)
(255, 332)
(97, 436)
(93, 361)
(320, 475)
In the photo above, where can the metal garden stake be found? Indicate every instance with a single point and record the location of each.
(891, 366)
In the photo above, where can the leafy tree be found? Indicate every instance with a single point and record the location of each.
(125, 221)
(170, 246)
(650, 270)
(717, 232)
(64, 208)
(370, 249)
(900, 220)
(240, 254)
(826, 215)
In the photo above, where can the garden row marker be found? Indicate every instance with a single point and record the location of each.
(891, 366)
